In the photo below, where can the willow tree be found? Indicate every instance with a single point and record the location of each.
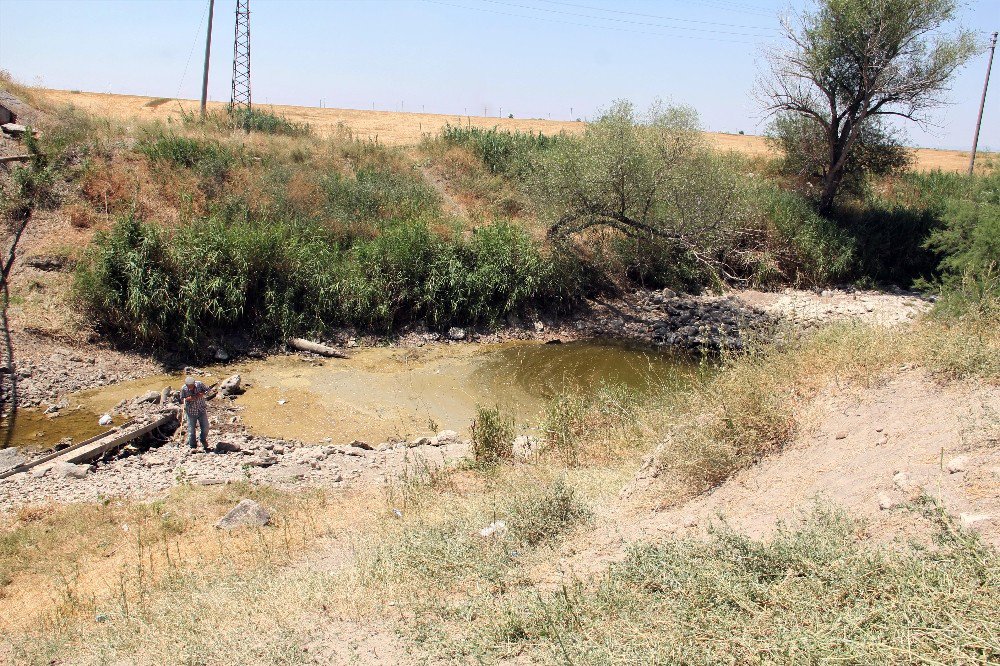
(849, 63)
(649, 178)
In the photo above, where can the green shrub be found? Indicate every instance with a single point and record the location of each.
(209, 158)
(378, 194)
(278, 277)
(266, 122)
(492, 436)
(810, 249)
(969, 240)
(817, 593)
(502, 152)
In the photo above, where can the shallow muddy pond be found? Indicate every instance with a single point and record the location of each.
(382, 393)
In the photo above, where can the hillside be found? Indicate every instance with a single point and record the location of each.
(396, 128)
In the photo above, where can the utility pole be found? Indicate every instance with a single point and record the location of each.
(982, 104)
(208, 53)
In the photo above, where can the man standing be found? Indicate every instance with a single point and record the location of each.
(193, 396)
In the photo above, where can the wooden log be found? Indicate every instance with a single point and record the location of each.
(14, 158)
(315, 348)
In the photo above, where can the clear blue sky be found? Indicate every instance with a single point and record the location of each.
(532, 58)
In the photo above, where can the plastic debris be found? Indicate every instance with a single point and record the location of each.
(105, 420)
(493, 529)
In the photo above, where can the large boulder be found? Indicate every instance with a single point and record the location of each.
(232, 386)
(247, 513)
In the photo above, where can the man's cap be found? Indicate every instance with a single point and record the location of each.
(189, 380)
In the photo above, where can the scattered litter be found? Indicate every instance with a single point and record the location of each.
(397, 513)
(101, 617)
(105, 420)
(281, 402)
(498, 528)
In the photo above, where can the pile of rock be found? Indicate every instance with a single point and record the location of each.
(704, 323)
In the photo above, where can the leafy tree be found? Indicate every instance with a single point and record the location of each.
(648, 178)
(878, 151)
(850, 62)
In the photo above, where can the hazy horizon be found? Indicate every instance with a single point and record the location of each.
(534, 58)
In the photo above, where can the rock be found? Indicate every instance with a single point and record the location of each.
(39, 471)
(65, 470)
(882, 440)
(456, 333)
(165, 395)
(959, 464)
(224, 446)
(446, 437)
(885, 502)
(247, 513)
(221, 354)
(524, 447)
(421, 441)
(842, 434)
(11, 457)
(52, 409)
(263, 461)
(290, 474)
(970, 519)
(149, 397)
(358, 444)
(231, 386)
(14, 129)
(105, 420)
(902, 481)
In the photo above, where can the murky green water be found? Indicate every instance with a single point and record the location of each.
(396, 392)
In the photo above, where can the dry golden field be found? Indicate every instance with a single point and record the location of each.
(397, 128)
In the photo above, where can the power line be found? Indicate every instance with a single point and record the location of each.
(194, 43)
(657, 16)
(590, 25)
(621, 20)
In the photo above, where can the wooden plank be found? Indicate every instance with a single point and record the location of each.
(109, 442)
(14, 158)
(55, 454)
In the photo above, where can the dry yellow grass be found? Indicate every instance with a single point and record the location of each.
(397, 128)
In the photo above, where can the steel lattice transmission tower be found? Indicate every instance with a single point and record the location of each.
(241, 57)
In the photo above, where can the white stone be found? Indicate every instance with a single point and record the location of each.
(958, 464)
(970, 519)
(885, 502)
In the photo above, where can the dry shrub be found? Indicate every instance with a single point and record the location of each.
(750, 408)
(80, 215)
(304, 194)
(593, 428)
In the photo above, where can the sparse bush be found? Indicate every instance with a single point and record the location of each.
(545, 514)
(492, 436)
